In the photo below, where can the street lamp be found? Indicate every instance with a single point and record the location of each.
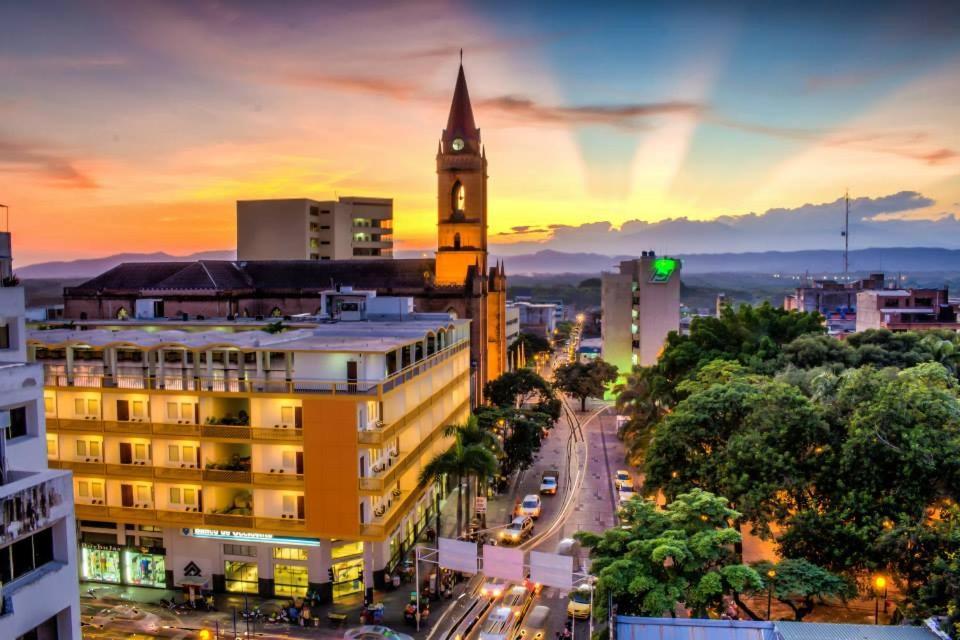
(879, 587)
(771, 574)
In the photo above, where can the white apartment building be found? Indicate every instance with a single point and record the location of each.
(640, 306)
(236, 460)
(39, 592)
(350, 228)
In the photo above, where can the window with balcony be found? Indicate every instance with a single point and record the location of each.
(4, 333)
(49, 405)
(90, 491)
(16, 421)
(182, 497)
(87, 408)
(181, 412)
(53, 447)
(26, 555)
(184, 455)
(88, 450)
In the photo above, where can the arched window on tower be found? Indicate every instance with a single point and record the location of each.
(458, 198)
(456, 241)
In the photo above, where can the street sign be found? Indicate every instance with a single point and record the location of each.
(481, 506)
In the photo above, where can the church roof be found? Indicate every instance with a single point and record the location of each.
(224, 276)
(460, 123)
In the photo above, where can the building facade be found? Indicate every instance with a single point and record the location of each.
(538, 318)
(835, 301)
(39, 594)
(458, 280)
(906, 310)
(350, 228)
(640, 306)
(233, 459)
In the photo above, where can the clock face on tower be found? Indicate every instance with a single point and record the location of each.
(457, 144)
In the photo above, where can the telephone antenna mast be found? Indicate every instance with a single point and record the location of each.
(846, 233)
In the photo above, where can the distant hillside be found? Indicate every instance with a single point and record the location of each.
(94, 266)
(557, 262)
(816, 262)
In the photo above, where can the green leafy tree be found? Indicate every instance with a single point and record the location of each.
(800, 584)
(516, 388)
(584, 380)
(658, 558)
(530, 344)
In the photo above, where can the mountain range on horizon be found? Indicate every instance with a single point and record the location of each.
(917, 259)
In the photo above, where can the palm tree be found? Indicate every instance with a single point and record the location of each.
(463, 459)
(472, 434)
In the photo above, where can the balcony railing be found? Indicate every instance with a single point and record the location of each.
(379, 435)
(84, 468)
(226, 475)
(187, 517)
(232, 382)
(385, 478)
(130, 470)
(175, 473)
(287, 480)
(290, 434)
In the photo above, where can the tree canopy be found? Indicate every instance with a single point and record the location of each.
(659, 558)
(584, 380)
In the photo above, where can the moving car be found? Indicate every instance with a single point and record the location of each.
(518, 598)
(623, 479)
(578, 604)
(534, 627)
(492, 590)
(549, 482)
(531, 506)
(520, 529)
(624, 495)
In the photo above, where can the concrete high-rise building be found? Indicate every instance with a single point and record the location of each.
(641, 305)
(233, 459)
(350, 228)
(39, 593)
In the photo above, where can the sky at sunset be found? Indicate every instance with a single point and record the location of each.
(135, 126)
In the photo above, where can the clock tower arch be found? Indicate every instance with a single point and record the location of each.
(461, 194)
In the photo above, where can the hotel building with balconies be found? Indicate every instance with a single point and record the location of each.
(39, 595)
(230, 458)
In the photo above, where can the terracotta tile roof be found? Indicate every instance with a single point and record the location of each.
(289, 275)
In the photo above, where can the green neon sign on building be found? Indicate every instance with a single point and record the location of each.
(662, 269)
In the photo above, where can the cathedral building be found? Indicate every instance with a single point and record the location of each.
(458, 281)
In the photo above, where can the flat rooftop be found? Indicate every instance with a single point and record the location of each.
(362, 336)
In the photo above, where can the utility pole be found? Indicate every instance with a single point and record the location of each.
(846, 233)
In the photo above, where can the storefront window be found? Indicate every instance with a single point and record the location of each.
(241, 577)
(347, 578)
(289, 553)
(145, 569)
(346, 550)
(100, 564)
(290, 580)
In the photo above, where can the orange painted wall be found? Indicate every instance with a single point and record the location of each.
(330, 468)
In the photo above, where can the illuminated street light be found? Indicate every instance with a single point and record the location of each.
(770, 574)
(879, 587)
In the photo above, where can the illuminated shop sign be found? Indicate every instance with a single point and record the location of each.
(250, 536)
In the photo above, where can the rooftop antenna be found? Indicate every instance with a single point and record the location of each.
(461, 56)
(846, 233)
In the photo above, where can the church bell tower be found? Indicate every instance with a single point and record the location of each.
(461, 194)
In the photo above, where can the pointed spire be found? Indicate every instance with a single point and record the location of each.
(460, 123)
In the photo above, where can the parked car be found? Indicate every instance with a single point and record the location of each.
(578, 604)
(531, 506)
(520, 529)
(623, 479)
